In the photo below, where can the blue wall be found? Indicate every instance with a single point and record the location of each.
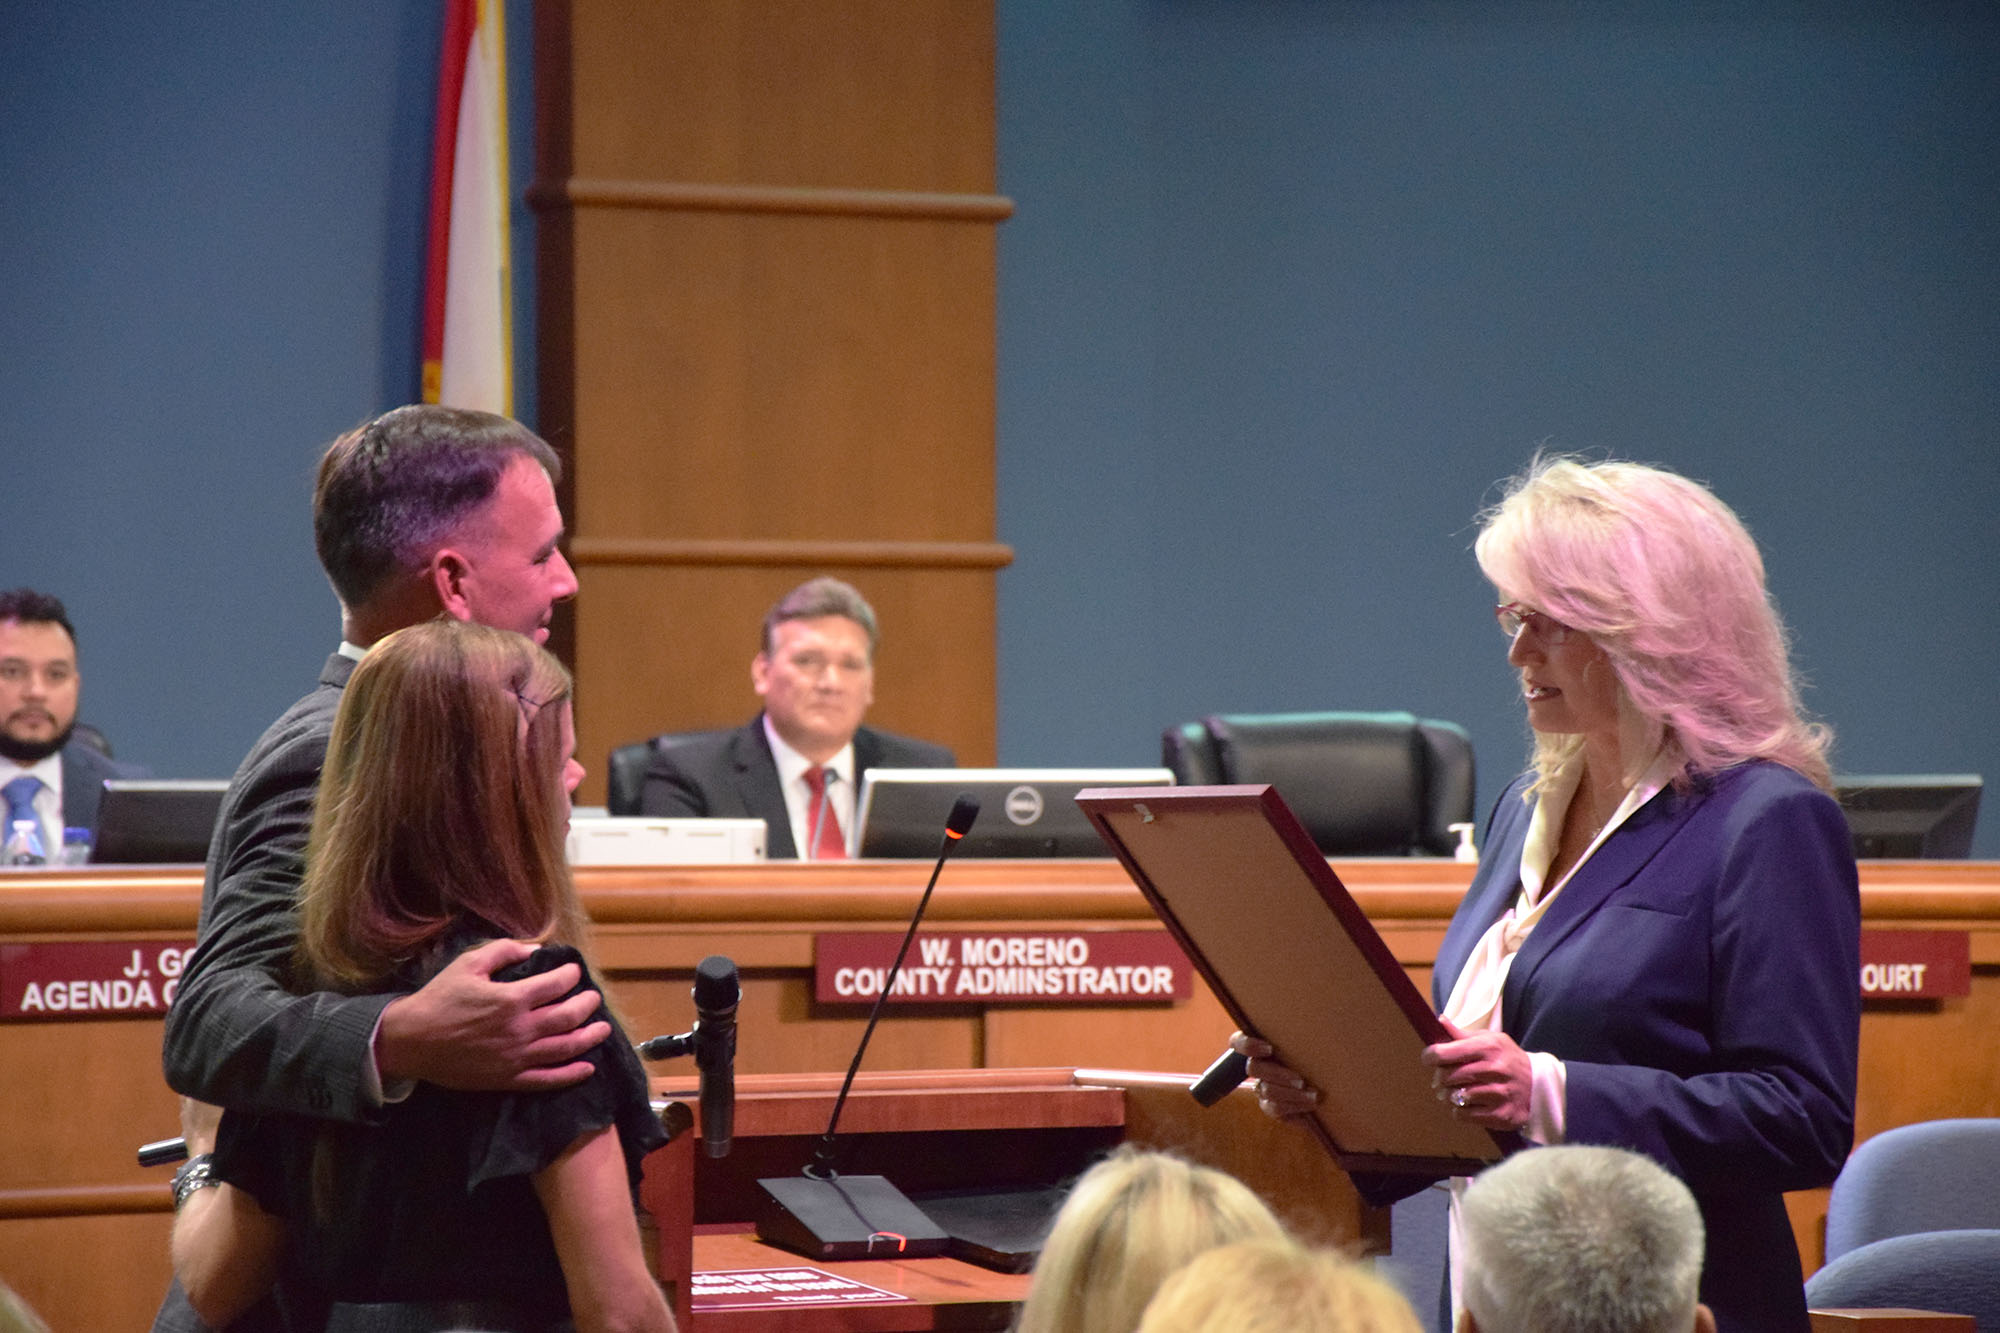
(1289, 287)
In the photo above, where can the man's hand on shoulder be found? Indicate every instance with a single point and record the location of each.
(465, 1030)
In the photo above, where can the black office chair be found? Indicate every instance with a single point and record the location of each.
(1363, 784)
(625, 770)
(92, 737)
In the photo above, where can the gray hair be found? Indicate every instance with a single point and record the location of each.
(1577, 1239)
(823, 597)
(391, 492)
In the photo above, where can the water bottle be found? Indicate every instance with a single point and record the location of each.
(76, 846)
(24, 845)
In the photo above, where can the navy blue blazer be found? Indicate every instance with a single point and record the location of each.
(732, 775)
(1699, 976)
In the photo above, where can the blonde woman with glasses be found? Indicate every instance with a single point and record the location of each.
(1659, 949)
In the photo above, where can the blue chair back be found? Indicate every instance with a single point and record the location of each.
(1937, 1175)
(1951, 1272)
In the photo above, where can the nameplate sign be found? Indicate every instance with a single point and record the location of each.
(1915, 964)
(89, 979)
(781, 1288)
(1004, 967)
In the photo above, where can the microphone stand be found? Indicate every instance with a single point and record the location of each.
(824, 1215)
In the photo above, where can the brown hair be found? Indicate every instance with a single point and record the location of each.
(441, 805)
(823, 596)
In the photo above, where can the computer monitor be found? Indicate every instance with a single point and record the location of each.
(156, 821)
(1022, 811)
(1929, 815)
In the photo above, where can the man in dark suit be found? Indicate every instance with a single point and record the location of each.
(46, 768)
(798, 764)
(425, 511)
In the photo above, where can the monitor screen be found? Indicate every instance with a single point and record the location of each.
(1911, 815)
(156, 821)
(1022, 811)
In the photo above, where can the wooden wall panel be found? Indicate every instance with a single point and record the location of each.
(766, 275)
(874, 94)
(783, 376)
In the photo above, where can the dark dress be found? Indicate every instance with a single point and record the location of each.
(434, 1208)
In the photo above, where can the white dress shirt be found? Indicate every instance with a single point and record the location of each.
(792, 768)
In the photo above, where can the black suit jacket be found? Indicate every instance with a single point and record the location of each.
(84, 770)
(731, 775)
(235, 1036)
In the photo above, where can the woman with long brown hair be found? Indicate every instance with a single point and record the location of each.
(440, 823)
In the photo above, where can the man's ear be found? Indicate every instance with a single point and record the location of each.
(446, 574)
(760, 674)
(1467, 1324)
(1704, 1319)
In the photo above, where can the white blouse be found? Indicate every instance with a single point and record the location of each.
(1474, 1003)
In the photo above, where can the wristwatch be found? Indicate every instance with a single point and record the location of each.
(195, 1174)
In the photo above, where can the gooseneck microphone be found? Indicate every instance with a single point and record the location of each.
(713, 1044)
(963, 811)
(822, 1214)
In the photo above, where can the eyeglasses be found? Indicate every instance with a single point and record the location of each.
(1514, 617)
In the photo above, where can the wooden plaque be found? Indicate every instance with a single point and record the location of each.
(1291, 956)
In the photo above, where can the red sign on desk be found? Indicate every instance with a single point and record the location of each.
(781, 1288)
(1915, 964)
(90, 979)
(1093, 967)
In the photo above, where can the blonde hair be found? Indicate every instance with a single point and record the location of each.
(441, 805)
(1131, 1220)
(1267, 1286)
(1665, 579)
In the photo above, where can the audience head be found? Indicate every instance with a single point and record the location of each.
(39, 683)
(428, 510)
(1575, 1239)
(445, 798)
(1665, 580)
(1130, 1221)
(816, 670)
(1276, 1286)
(15, 1316)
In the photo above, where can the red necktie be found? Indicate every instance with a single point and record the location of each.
(822, 824)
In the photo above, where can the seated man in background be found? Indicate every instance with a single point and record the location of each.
(799, 763)
(1577, 1239)
(46, 772)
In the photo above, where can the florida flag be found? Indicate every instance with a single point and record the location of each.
(468, 287)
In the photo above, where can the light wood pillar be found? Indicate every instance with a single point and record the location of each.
(766, 284)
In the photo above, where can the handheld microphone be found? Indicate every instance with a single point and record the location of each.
(162, 1152)
(1221, 1078)
(713, 1044)
(822, 1215)
(716, 992)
